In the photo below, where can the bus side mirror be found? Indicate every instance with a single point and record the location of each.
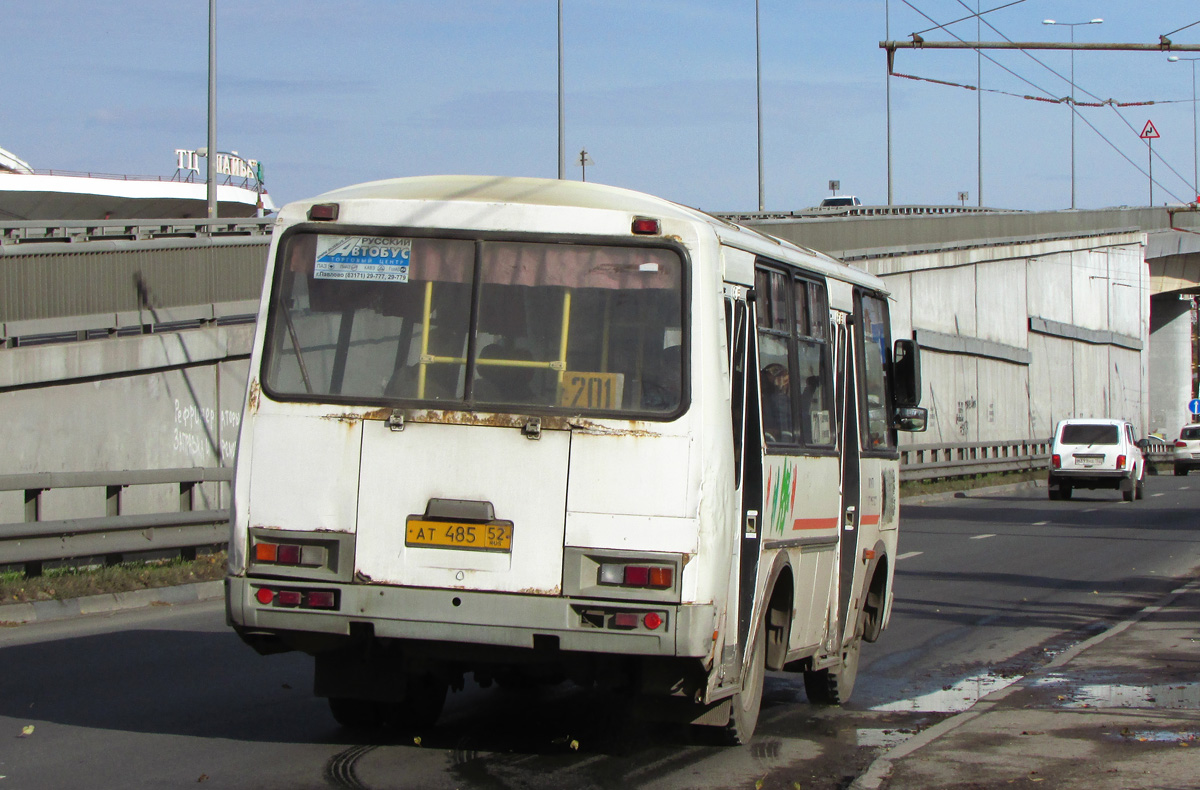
(911, 418)
(906, 374)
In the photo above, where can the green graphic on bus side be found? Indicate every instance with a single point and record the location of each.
(781, 495)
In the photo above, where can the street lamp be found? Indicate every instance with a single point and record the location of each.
(1195, 144)
(1072, 25)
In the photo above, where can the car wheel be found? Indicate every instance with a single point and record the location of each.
(1064, 491)
(1131, 492)
(1139, 488)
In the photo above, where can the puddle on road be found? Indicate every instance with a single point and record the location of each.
(882, 739)
(951, 699)
(1162, 696)
(1156, 736)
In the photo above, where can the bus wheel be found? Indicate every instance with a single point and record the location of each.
(426, 695)
(356, 714)
(746, 704)
(833, 685)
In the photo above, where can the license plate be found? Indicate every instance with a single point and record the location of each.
(1088, 460)
(494, 536)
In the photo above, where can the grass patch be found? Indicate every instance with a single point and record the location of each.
(61, 584)
(911, 488)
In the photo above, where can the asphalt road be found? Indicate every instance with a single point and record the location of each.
(988, 586)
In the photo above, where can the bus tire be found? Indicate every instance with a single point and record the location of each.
(356, 714)
(747, 703)
(833, 685)
(426, 696)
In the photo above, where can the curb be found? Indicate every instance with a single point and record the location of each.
(107, 603)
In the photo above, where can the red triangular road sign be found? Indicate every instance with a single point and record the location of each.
(1149, 132)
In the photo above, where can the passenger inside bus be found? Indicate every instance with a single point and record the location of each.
(777, 403)
(501, 383)
(663, 380)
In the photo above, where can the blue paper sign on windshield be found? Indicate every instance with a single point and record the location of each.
(363, 258)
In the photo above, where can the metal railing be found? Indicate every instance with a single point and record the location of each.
(33, 541)
(964, 459)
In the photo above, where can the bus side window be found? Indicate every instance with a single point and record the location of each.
(875, 348)
(774, 357)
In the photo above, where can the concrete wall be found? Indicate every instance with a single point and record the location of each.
(142, 402)
(1018, 336)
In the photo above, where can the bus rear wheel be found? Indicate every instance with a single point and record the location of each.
(356, 714)
(833, 685)
(747, 703)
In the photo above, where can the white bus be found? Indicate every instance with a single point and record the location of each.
(525, 430)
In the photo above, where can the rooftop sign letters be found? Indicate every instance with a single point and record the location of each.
(226, 164)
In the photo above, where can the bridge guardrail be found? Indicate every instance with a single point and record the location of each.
(960, 459)
(930, 461)
(33, 541)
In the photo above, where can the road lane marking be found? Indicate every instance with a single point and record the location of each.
(1044, 523)
(1154, 495)
(908, 555)
(986, 535)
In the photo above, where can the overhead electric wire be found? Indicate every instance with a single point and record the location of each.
(1075, 110)
(1069, 101)
(965, 18)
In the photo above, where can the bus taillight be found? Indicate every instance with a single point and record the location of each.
(655, 577)
(289, 554)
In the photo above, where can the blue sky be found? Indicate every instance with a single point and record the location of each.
(661, 93)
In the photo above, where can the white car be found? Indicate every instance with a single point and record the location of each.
(1187, 450)
(840, 201)
(1096, 453)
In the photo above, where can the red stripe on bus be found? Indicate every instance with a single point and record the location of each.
(870, 521)
(815, 523)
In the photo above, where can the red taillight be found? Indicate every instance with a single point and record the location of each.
(323, 211)
(625, 620)
(289, 554)
(1120, 462)
(1180, 443)
(645, 226)
(637, 576)
(1056, 461)
(652, 621)
(264, 596)
(288, 597)
(321, 599)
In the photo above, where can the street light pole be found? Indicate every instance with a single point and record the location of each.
(758, 81)
(211, 174)
(1195, 142)
(562, 134)
(1072, 25)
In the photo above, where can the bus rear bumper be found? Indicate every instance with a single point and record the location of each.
(481, 618)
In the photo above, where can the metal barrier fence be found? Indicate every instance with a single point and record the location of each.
(963, 459)
(33, 541)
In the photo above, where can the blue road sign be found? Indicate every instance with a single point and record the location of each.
(1194, 405)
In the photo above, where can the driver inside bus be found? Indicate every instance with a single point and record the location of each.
(501, 383)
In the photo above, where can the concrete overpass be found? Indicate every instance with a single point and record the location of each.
(126, 343)
(1007, 302)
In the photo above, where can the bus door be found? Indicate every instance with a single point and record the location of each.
(747, 449)
(847, 402)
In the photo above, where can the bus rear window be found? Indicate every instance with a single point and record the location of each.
(477, 323)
